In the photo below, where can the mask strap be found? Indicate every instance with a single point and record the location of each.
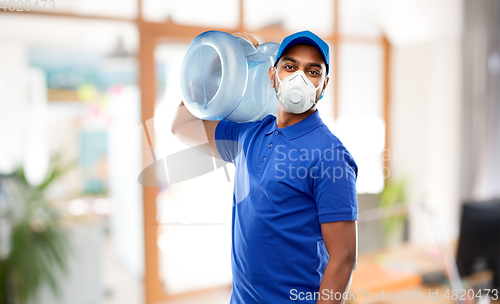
(322, 93)
(276, 74)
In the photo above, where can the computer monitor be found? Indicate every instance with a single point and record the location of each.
(479, 240)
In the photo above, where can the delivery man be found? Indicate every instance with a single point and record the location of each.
(294, 225)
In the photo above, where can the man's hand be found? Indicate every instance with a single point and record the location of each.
(248, 37)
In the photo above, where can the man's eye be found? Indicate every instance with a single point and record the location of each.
(288, 67)
(316, 73)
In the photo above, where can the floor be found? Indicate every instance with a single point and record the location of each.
(121, 287)
(220, 296)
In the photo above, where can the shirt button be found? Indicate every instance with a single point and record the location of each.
(276, 132)
(270, 146)
(263, 159)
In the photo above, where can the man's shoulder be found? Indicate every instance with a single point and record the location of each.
(324, 137)
(247, 125)
(255, 126)
(269, 119)
(265, 121)
(328, 142)
(334, 146)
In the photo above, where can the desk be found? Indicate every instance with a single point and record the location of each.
(394, 275)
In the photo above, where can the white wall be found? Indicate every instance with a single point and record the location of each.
(425, 115)
(124, 163)
(13, 104)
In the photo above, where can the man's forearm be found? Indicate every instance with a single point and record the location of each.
(188, 128)
(194, 132)
(336, 280)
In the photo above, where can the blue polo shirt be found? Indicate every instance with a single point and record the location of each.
(287, 182)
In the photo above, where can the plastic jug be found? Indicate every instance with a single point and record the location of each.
(226, 77)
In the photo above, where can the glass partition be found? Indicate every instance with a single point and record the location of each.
(360, 124)
(194, 215)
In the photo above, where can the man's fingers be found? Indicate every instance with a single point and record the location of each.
(248, 37)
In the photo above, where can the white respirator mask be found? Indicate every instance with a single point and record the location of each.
(296, 92)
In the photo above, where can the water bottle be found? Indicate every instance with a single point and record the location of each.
(226, 77)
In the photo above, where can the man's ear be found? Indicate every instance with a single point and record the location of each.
(325, 83)
(271, 74)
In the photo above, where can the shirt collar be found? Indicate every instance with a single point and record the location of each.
(294, 131)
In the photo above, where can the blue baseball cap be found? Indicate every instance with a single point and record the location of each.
(305, 37)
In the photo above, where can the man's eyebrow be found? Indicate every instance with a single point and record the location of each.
(313, 64)
(289, 59)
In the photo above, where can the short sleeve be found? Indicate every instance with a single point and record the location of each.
(226, 139)
(334, 186)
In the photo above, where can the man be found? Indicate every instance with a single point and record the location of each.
(294, 228)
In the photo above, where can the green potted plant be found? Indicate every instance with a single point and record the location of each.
(39, 248)
(393, 195)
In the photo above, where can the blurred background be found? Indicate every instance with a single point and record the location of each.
(88, 90)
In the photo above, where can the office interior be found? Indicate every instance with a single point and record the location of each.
(88, 91)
